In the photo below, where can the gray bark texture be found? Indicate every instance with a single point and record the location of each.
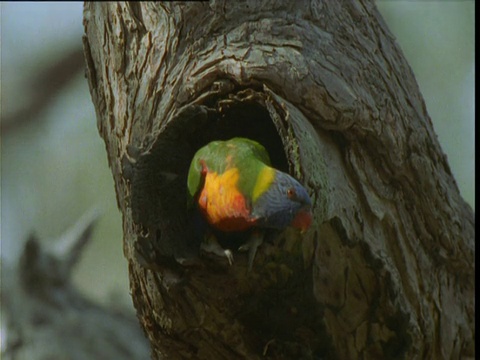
(387, 269)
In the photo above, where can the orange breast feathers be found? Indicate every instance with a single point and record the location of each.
(222, 204)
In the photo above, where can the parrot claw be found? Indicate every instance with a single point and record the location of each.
(229, 256)
(211, 245)
(255, 240)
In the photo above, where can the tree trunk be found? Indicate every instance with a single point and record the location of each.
(386, 270)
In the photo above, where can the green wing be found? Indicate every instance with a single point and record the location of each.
(247, 155)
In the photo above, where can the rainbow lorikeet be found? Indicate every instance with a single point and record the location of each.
(234, 188)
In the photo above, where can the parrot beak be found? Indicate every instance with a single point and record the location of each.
(303, 220)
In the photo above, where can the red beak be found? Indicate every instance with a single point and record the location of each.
(303, 220)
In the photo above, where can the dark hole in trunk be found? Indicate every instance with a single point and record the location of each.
(159, 182)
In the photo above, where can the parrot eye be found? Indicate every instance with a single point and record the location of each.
(291, 193)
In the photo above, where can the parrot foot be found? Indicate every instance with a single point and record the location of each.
(211, 245)
(229, 256)
(255, 240)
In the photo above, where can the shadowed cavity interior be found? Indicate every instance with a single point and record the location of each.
(160, 185)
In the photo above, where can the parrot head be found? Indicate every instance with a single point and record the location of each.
(285, 203)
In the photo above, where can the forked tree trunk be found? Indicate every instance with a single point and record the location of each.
(386, 271)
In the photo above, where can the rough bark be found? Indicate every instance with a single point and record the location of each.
(386, 271)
